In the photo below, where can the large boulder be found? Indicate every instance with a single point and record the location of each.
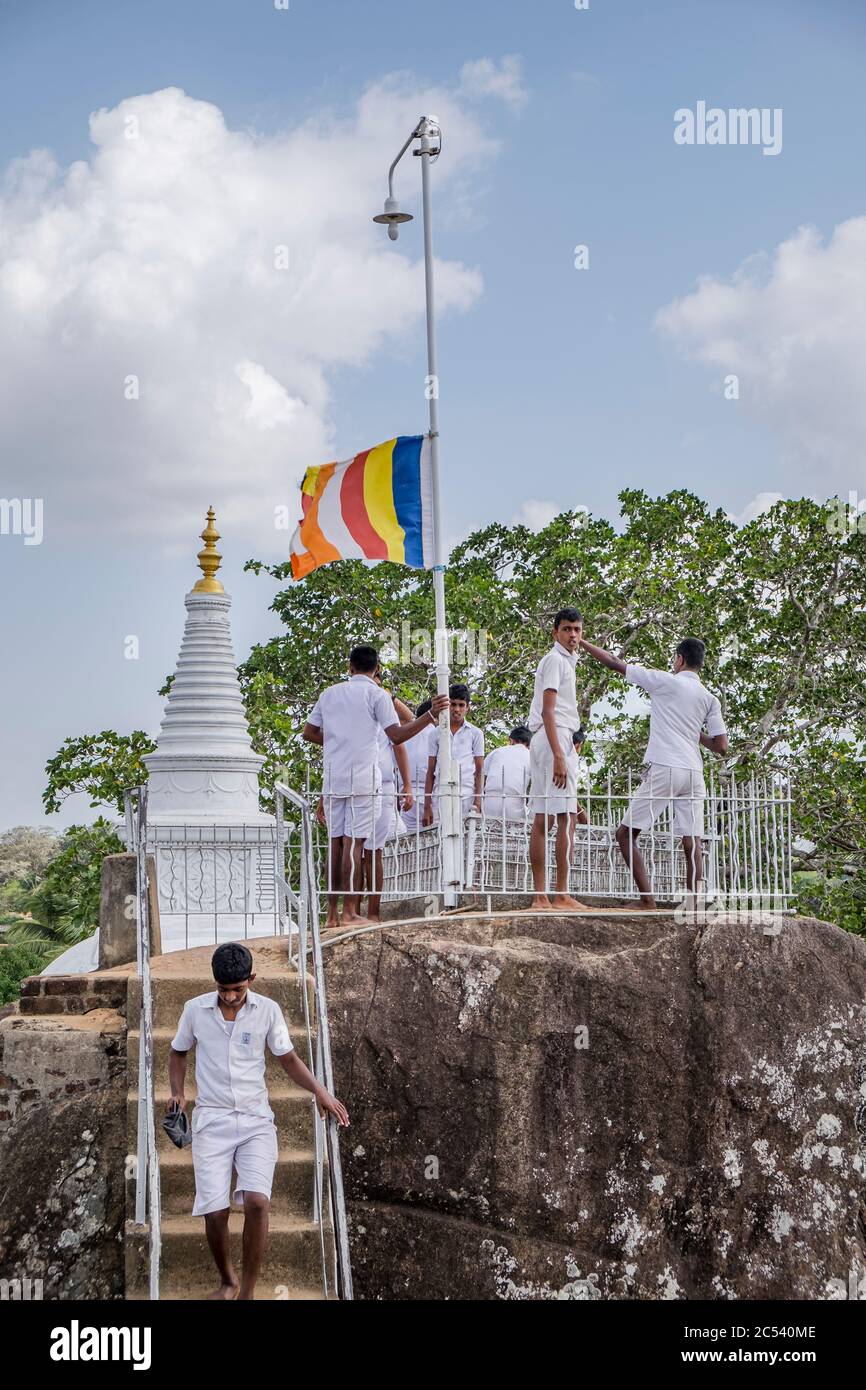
(612, 1106)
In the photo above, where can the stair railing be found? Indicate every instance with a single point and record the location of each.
(147, 1189)
(299, 916)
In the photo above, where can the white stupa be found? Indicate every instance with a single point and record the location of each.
(214, 847)
(204, 767)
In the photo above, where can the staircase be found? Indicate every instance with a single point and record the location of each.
(292, 1266)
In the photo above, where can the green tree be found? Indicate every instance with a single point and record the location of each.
(63, 907)
(16, 963)
(25, 850)
(103, 765)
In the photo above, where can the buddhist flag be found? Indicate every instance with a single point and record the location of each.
(376, 506)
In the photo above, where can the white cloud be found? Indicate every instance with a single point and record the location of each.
(792, 327)
(535, 514)
(486, 78)
(156, 258)
(758, 505)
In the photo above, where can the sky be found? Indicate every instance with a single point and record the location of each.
(195, 304)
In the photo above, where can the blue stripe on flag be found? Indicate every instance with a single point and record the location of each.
(406, 482)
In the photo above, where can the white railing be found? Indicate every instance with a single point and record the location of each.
(148, 1206)
(295, 915)
(299, 917)
(746, 843)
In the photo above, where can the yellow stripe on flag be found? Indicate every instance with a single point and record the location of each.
(379, 499)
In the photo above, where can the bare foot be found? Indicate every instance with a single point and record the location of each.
(647, 905)
(540, 903)
(225, 1291)
(564, 902)
(376, 919)
(353, 919)
(331, 922)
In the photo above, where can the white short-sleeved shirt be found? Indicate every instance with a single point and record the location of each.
(681, 707)
(506, 781)
(387, 761)
(466, 745)
(417, 751)
(230, 1060)
(555, 671)
(350, 715)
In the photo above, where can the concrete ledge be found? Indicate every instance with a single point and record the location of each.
(71, 994)
(118, 933)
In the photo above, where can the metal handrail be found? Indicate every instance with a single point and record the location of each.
(306, 905)
(147, 1185)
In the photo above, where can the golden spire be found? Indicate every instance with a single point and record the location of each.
(209, 559)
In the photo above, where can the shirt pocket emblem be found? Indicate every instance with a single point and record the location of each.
(245, 1037)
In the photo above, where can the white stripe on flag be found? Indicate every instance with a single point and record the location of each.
(331, 522)
(427, 504)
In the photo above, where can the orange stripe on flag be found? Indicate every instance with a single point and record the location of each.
(319, 550)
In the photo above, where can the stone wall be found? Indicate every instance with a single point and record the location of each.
(63, 1137)
(606, 1106)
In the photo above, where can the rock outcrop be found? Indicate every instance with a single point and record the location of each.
(607, 1107)
(62, 1147)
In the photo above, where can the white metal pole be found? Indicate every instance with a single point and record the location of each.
(448, 807)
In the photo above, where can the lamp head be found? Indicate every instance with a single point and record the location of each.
(392, 217)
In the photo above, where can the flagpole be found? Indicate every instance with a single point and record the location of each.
(429, 136)
(448, 809)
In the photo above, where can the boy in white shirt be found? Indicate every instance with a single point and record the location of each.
(393, 760)
(506, 778)
(684, 716)
(232, 1121)
(345, 722)
(416, 752)
(467, 753)
(553, 721)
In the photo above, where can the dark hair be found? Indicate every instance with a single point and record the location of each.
(364, 659)
(423, 708)
(692, 649)
(231, 963)
(567, 615)
(459, 692)
(579, 736)
(520, 734)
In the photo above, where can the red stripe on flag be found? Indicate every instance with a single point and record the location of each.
(355, 512)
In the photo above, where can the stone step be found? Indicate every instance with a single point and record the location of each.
(292, 1255)
(162, 1048)
(270, 1293)
(171, 992)
(292, 1191)
(292, 1107)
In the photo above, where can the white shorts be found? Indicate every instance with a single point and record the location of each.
(681, 788)
(352, 815)
(389, 823)
(226, 1139)
(547, 798)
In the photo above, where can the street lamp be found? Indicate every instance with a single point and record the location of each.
(428, 134)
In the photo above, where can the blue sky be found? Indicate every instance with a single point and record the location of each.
(557, 385)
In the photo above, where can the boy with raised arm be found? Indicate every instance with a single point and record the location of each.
(553, 720)
(345, 721)
(684, 716)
